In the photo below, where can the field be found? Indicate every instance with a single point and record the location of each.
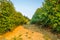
(32, 22)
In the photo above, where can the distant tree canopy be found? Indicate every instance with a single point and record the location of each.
(48, 15)
(9, 17)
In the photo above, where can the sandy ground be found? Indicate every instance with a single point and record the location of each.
(23, 34)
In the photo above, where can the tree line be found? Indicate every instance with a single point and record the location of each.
(9, 17)
(48, 15)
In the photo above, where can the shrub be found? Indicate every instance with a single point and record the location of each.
(49, 14)
(9, 17)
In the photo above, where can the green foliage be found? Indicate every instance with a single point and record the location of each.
(9, 18)
(40, 17)
(27, 20)
(49, 14)
(53, 11)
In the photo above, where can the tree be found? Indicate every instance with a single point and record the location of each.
(9, 17)
(53, 11)
(50, 13)
(40, 17)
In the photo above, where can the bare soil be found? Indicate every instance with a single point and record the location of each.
(21, 33)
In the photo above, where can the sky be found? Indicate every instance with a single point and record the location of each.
(27, 7)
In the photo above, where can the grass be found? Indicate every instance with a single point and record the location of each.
(17, 38)
(14, 38)
(47, 34)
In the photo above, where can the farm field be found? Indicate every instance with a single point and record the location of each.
(29, 19)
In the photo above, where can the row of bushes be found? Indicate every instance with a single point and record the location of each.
(48, 15)
(9, 17)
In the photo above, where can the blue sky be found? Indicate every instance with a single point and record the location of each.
(27, 7)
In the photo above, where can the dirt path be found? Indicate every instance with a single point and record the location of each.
(20, 33)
